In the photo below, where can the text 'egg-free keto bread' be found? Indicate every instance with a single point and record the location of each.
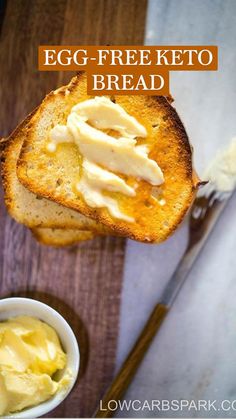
(28, 208)
(124, 161)
(61, 237)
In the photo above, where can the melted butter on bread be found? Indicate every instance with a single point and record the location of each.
(104, 154)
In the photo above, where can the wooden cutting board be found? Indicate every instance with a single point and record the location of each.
(83, 283)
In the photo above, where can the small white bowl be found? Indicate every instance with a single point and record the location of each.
(11, 307)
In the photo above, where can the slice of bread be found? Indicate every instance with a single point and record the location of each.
(28, 208)
(61, 237)
(157, 210)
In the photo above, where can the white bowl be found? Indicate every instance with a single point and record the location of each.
(11, 307)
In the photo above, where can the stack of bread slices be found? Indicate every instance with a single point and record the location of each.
(39, 189)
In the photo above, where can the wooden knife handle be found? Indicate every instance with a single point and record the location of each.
(132, 362)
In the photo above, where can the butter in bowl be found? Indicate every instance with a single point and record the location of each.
(39, 358)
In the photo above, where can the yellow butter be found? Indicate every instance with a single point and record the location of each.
(104, 114)
(105, 157)
(30, 353)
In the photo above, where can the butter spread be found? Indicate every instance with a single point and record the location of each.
(104, 114)
(94, 180)
(221, 172)
(104, 154)
(30, 353)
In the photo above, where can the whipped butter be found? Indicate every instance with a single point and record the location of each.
(106, 158)
(221, 172)
(30, 353)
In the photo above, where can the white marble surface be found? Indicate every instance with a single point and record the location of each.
(194, 354)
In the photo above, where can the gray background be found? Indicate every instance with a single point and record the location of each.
(194, 355)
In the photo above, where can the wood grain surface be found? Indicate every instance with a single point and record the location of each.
(83, 282)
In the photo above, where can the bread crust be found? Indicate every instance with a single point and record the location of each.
(170, 147)
(61, 237)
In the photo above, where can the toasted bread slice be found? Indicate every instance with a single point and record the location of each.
(61, 237)
(28, 208)
(55, 177)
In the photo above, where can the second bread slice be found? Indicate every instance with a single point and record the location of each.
(61, 237)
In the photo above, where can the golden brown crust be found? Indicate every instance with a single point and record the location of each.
(61, 237)
(169, 146)
(6, 144)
